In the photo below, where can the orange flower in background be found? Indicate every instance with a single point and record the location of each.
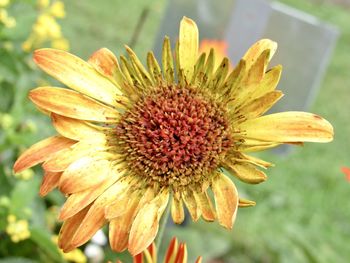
(176, 253)
(132, 139)
(220, 47)
(346, 171)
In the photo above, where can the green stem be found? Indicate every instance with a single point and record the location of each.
(162, 226)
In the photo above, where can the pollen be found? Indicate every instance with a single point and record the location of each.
(174, 136)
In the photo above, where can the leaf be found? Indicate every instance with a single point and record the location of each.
(23, 195)
(42, 238)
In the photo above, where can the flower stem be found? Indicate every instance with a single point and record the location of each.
(162, 226)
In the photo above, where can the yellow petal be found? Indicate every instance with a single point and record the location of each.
(154, 68)
(84, 173)
(139, 68)
(76, 129)
(119, 228)
(250, 145)
(188, 46)
(78, 201)
(69, 228)
(167, 62)
(246, 172)
(245, 203)
(95, 219)
(76, 74)
(145, 226)
(191, 204)
(259, 47)
(72, 104)
(205, 205)
(288, 127)
(177, 210)
(41, 151)
(260, 105)
(226, 200)
(61, 160)
(269, 82)
(104, 61)
(49, 182)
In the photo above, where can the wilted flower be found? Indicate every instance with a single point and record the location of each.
(131, 138)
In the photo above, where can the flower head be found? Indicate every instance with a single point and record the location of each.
(132, 139)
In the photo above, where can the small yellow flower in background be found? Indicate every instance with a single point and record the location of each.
(46, 29)
(57, 9)
(4, 3)
(42, 4)
(17, 229)
(6, 121)
(61, 43)
(76, 255)
(132, 140)
(25, 175)
(7, 20)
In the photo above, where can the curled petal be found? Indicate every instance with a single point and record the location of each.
(226, 200)
(145, 226)
(72, 104)
(41, 151)
(172, 251)
(177, 210)
(245, 203)
(49, 182)
(76, 129)
(191, 204)
(246, 172)
(205, 205)
(288, 127)
(259, 47)
(84, 173)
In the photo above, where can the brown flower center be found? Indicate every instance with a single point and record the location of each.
(174, 136)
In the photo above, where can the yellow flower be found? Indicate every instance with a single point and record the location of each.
(132, 138)
(60, 43)
(4, 3)
(17, 230)
(176, 253)
(7, 20)
(76, 255)
(42, 4)
(25, 175)
(57, 9)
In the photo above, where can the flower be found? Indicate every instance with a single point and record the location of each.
(46, 28)
(17, 229)
(220, 47)
(346, 171)
(130, 138)
(175, 254)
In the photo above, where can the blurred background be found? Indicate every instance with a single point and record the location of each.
(302, 212)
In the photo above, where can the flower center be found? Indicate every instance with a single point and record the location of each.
(174, 136)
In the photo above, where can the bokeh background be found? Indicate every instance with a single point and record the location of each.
(302, 212)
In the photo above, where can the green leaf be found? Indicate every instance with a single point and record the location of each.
(17, 260)
(23, 195)
(43, 239)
